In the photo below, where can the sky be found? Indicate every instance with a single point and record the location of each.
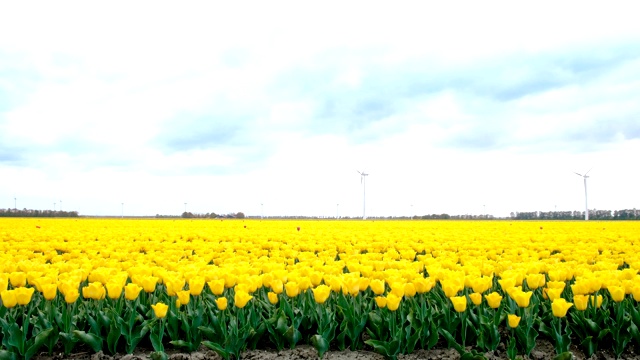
(271, 108)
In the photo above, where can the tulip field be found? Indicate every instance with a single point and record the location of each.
(393, 287)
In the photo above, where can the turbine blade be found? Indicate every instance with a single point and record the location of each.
(585, 174)
(578, 174)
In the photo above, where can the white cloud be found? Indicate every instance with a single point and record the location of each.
(451, 108)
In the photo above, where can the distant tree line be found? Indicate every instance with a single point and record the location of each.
(36, 213)
(627, 214)
(212, 215)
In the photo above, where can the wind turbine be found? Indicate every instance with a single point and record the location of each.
(363, 181)
(586, 206)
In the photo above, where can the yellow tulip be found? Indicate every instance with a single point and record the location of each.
(476, 298)
(617, 293)
(459, 303)
(552, 293)
(560, 306)
(493, 300)
(114, 290)
(596, 301)
(381, 301)
(352, 285)
(291, 288)
(277, 286)
(635, 291)
(241, 298)
(18, 279)
(522, 298)
(481, 284)
(149, 283)
(393, 302)
(556, 285)
(9, 299)
(71, 295)
(513, 320)
(535, 281)
(184, 296)
(196, 284)
(221, 303)
(424, 285)
(581, 302)
(321, 293)
(49, 291)
(409, 290)
(94, 290)
(273, 297)
(216, 286)
(160, 309)
(131, 291)
(377, 286)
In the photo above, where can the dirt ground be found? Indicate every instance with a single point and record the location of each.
(544, 350)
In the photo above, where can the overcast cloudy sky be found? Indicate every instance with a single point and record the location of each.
(460, 108)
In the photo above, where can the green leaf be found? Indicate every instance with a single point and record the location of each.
(94, 341)
(320, 344)
(564, 356)
(38, 342)
(158, 355)
(181, 344)
(113, 337)
(156, 342)
(217, 348)
(7, 355)
(589, 346)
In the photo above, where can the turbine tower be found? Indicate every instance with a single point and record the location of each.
(586, 206)
(363, 181)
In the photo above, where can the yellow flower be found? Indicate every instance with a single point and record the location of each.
(71, 295)
(9, 299)
(476, 298)
(381, 301)
(277, 286)
(173, 286)
(522, 298)
(221, 303)
(581, 302)
(393, 302)
(131, 291)
(423, 285)
(409, 290)
(241, 299)
(560, 306)
(149, 283)
(636, 292)
(459, 303)
(292, 289)
(196, 284)
(450, 288)
(552, 293)
(596, 301)
(273, 297)
(513, 320)
(321, 293)
(18, 279)
(49, 291)
(617, 293)
(94, 290)
(493, 299)
(481, 284)
(216, 286)
(535, 281)
(377, 286)
(114, 290)
(160, 309)
(184, 296)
